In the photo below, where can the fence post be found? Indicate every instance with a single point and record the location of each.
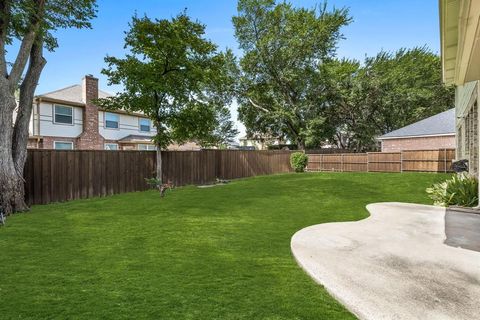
(401, 161)
(342, 167)
(445, 160)
(368, 162)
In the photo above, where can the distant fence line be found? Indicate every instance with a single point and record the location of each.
(328, 151)
(55, 176)
(414, 160)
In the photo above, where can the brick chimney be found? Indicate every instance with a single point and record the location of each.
(90, 139)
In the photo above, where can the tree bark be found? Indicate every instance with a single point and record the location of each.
(300, 144)
(27, 92)
(11, 182)
(159, 165)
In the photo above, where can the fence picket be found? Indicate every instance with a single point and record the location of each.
(53, 176)
(408, 160)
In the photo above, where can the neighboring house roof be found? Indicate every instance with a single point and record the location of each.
(71, 94)
(136, 138)
(439, 124)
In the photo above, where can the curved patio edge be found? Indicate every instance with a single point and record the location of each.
(392, 265)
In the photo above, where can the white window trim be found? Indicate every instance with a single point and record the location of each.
(140, 125)
(105, 121)
(113, 144)
(61, 123)
(146, 144)
(69, 142)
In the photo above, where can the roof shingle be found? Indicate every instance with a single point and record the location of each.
(439, 124)
(72, 94)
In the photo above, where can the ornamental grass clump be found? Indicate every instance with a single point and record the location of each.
(460, 190)
(299, 161)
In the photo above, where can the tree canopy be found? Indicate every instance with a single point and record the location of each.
(292, 86)
(177, 78)
(386, 92)
(279, 93)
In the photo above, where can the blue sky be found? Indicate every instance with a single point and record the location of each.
(377, 25)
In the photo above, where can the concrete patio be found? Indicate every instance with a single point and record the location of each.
(398, 263)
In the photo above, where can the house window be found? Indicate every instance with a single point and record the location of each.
(147, 147)
(111, 146)
(63, 145)
(112, 120)
(145, 125)
(63, 114)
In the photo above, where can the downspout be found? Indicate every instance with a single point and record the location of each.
(478, 140)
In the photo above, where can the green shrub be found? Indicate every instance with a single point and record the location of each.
(461, 190)
(298, 161)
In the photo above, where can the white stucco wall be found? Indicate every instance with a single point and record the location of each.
(49, 128)
(128, 125)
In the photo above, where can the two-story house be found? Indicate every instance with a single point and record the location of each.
(68, 119)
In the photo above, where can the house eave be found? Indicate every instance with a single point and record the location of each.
(39, 99)
(459, 34)
(65, 102)
(417, 136)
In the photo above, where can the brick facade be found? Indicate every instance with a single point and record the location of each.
(418, 143)
(48, 142)
(90, 139)
(86, 131)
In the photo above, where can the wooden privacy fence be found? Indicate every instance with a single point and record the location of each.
(54, 176)
(410, 160)
(203, 167)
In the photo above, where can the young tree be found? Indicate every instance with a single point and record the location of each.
(29, 23)
(177, 78)
(280, 92)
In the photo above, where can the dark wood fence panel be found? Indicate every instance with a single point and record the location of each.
(189, 167)
(235, 164)
(414, 160)
(54, 176)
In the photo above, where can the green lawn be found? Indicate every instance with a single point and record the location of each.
(211, 253)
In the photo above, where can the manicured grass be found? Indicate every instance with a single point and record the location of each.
(211, 253)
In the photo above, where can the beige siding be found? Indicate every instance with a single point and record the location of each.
(128, 125)
(49, 128)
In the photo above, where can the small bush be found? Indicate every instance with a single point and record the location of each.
(461, 190)
(298, 161)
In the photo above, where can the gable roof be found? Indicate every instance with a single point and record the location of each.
(71, 94)
(439, 124)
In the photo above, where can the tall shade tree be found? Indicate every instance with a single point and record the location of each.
(280, 92)
(27, 28)
(387, 92)
(177, 78)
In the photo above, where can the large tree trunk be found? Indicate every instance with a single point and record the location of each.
(11, 181)
(27, 92)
